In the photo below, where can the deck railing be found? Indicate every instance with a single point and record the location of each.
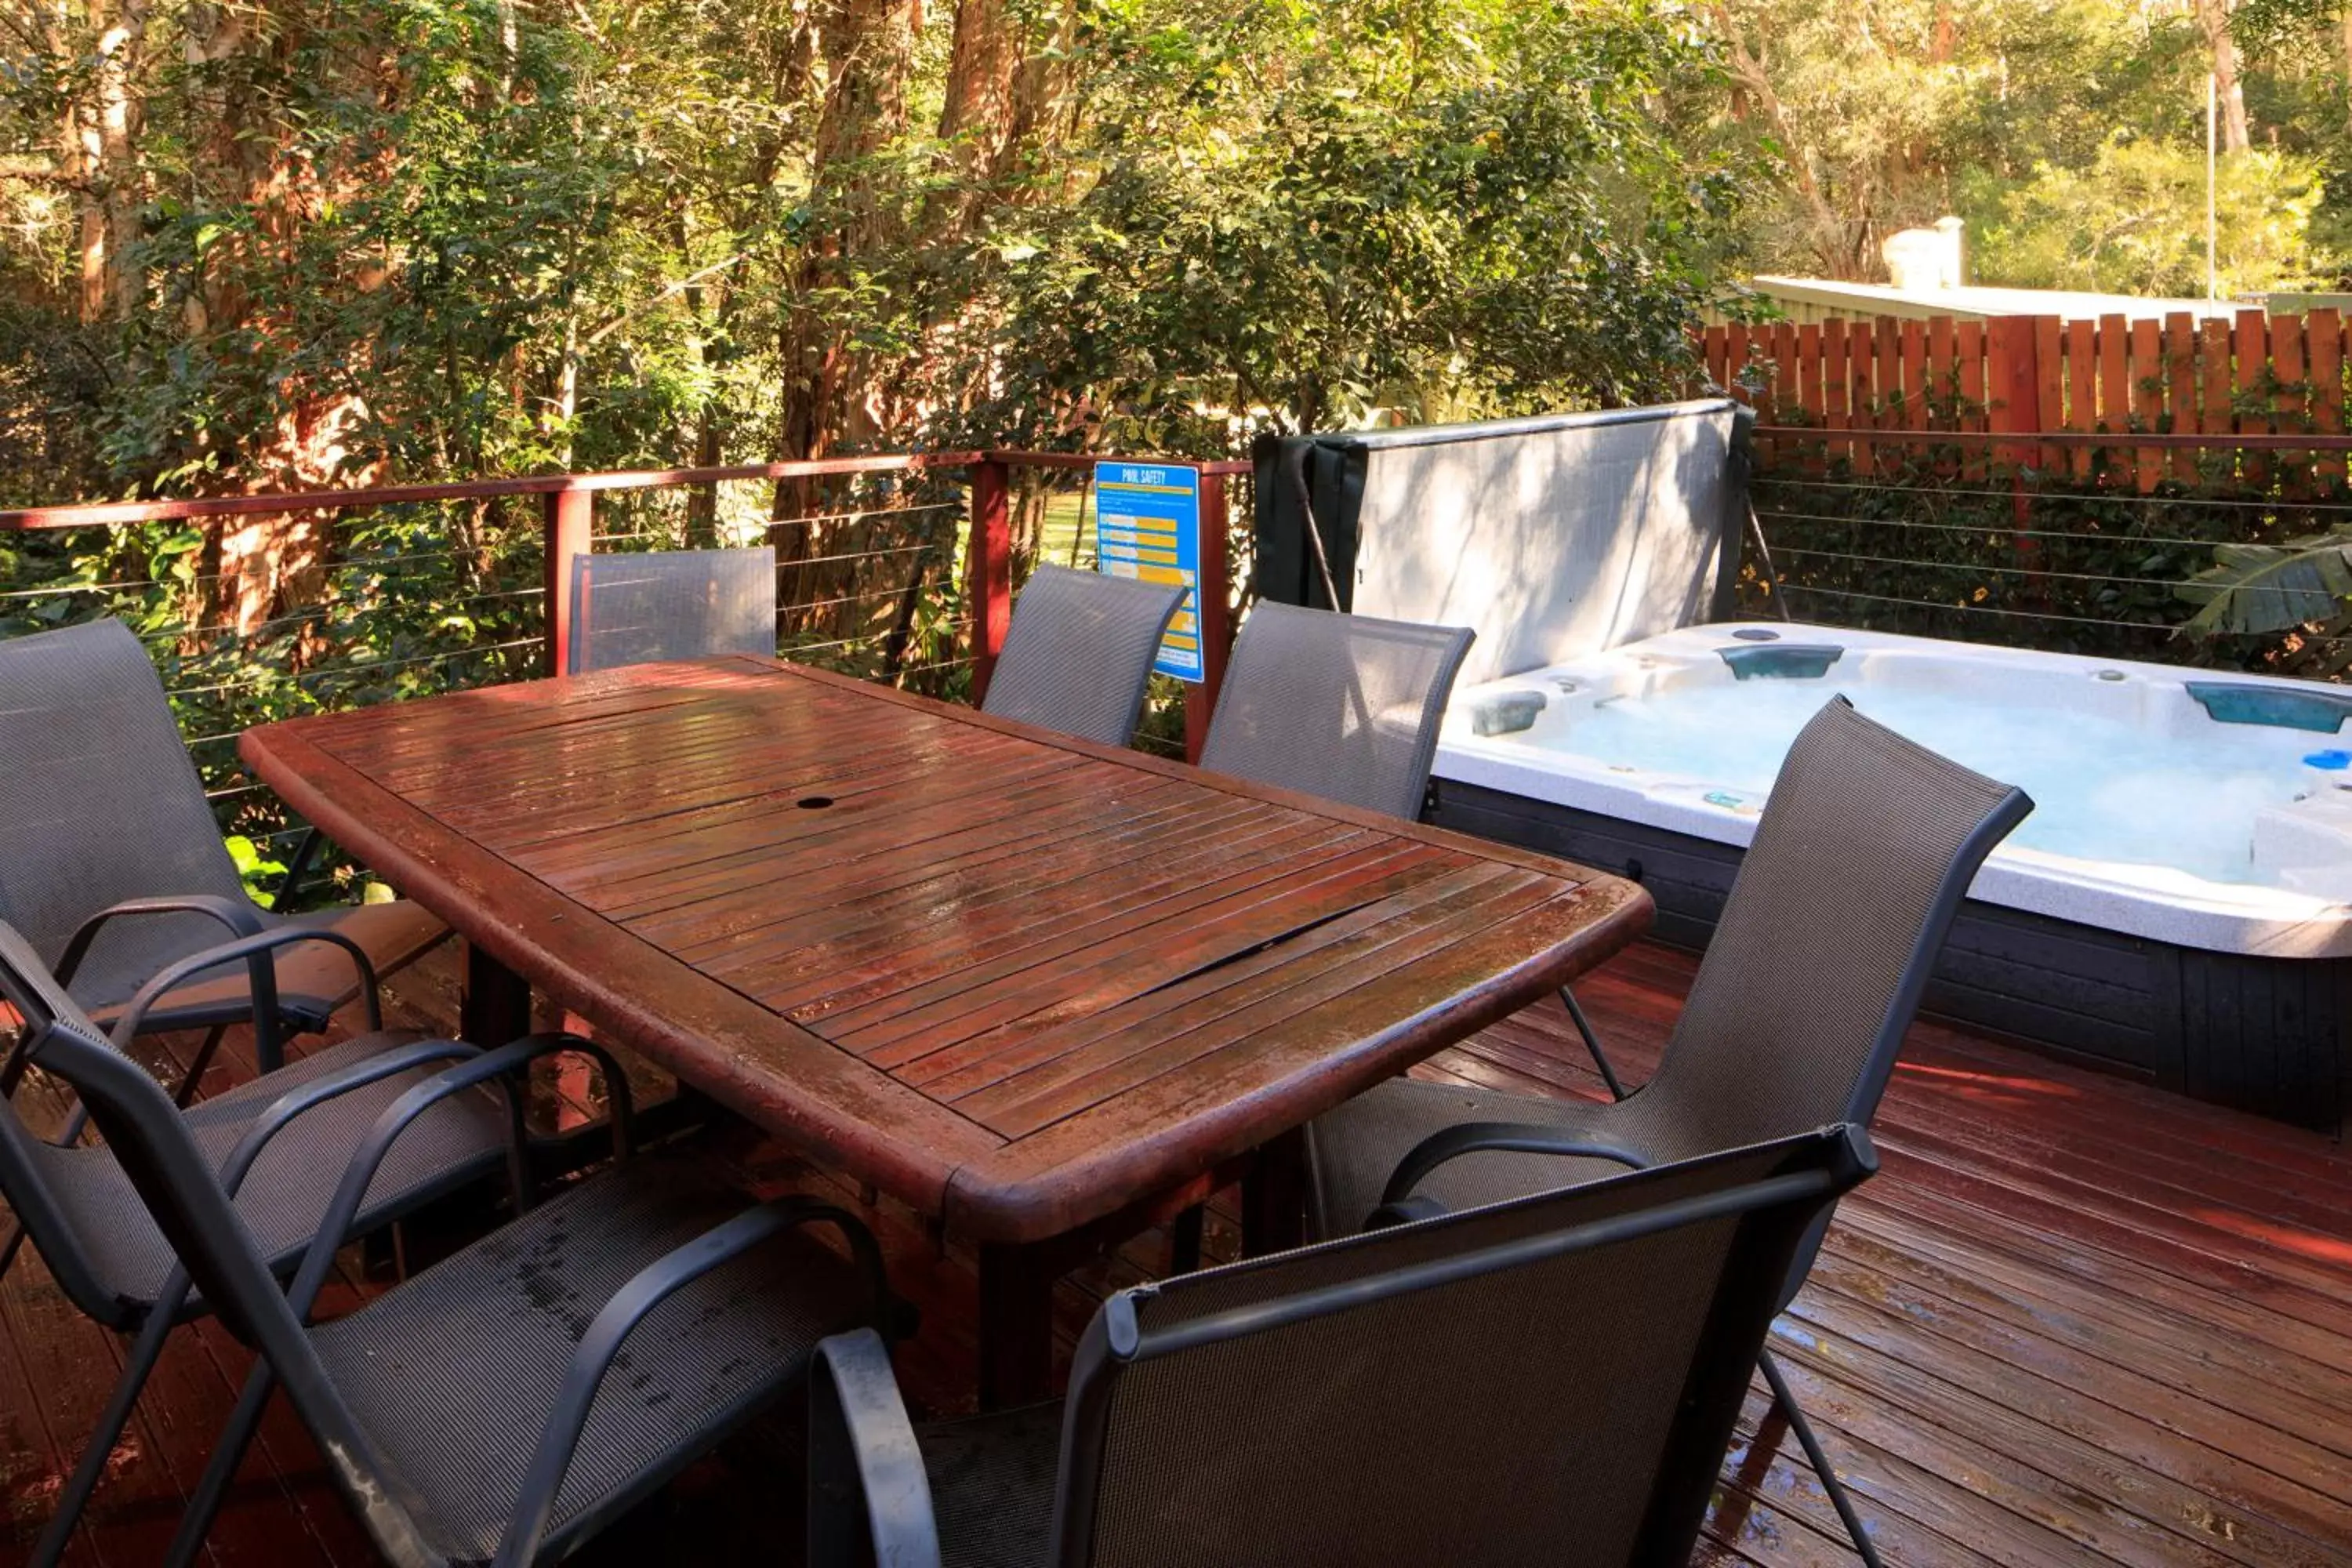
(898, 566)
(2068, 539)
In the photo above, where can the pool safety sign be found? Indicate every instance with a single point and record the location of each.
(1148, 525)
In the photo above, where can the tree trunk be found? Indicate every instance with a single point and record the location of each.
(241, 155)
(867, 48)
(2346, 27)
(100, 140)
(976, 115)
(2213, 15)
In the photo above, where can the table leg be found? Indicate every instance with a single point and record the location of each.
(1016, 1325)
(497, 1005)
(1273, 1197)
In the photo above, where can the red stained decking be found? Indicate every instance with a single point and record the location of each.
(2074, 1321)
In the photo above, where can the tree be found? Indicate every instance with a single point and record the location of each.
(2133, 223)
(2214, 19)
(1893, 115)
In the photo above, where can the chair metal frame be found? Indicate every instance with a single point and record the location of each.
(282, 1355)
(1035, 658)
(193, 1203)
(239, 918)
(1400, 1200)
(52, 1024)
(867, 1484)
(1266, 621)
(586, 566)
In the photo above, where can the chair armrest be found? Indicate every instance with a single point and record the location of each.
(648, 1288)
(254, 950)
(862, 1450)
(244, 921)
(282, 1112)
(1398, 1202)
(498, 1066)
(243, 917)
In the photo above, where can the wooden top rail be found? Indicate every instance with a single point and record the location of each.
(95, 514)
(1088, 460)
(2265, 441)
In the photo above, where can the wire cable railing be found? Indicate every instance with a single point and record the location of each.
(381, 594)
(2081, 555)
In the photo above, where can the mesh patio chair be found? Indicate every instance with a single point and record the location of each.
(279, 1142)
(112, 864)
(1079, 656)
(518, 1395)
(1553, 1380)
(1345, 707)
(662, 604)
(1864, 852)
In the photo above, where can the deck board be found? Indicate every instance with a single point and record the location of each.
(2075, 1320)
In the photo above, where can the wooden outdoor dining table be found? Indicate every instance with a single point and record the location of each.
(1026, 984)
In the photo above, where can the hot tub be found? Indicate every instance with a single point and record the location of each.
(2175, 908)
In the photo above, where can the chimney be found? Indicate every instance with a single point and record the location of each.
(1921, 260)
(1954, 269)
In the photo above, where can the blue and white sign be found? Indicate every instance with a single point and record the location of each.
(1148, 525)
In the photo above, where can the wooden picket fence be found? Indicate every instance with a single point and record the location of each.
(2181, 377)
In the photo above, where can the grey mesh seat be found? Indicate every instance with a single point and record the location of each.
(1079, 656)
(661, 604)
(112, 866)
(284, 1136)
(1862, 857)
(467, 1414)
(1549, 1381)
(1344, 707)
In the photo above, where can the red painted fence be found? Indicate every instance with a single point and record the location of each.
(2206, 382)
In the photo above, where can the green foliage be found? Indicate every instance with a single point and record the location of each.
(2236, 568)
(2272, 587)
(2133, 222)
(2069, 134)
(1911, 109)
(257, 868)
(1309, 216)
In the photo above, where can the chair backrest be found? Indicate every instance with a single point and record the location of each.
(671, 603)
(1079, 656)
(99, 802)
(149, 1138)
(1553, 1380)
(1345, 707)
(1864, 854)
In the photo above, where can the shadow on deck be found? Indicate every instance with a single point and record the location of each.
(2073, 1321)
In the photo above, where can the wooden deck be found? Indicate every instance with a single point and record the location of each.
(2075, 1320)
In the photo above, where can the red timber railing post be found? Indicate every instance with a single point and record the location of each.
(571, 517)
(1216, 629)
(988, 558)
(2013, 378)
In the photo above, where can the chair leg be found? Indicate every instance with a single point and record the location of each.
(268, 1041)
(1593, 1043)
(11, 1071)
(220, 1472)
(145, 1351)
(1839, 1499)
(195, 1074)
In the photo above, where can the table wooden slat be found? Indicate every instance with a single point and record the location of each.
(1019, 981)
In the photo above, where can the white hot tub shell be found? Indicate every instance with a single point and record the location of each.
(2177, 906)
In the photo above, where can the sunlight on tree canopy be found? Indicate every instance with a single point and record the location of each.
(2134, 223)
